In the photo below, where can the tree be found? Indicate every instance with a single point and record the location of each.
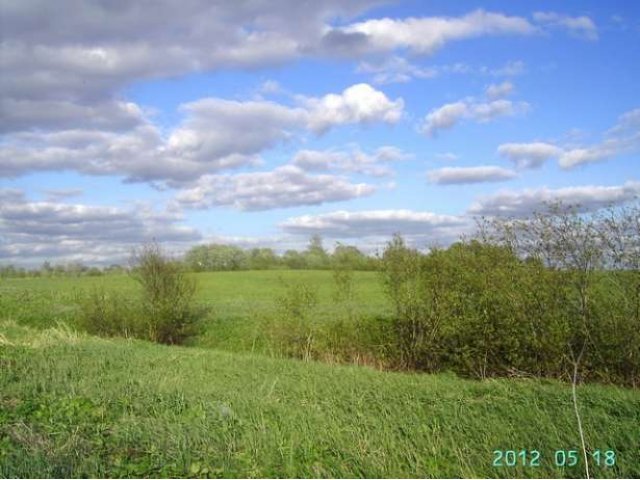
(294, 259)
(315, 254)
(262, 259)
(216, 257)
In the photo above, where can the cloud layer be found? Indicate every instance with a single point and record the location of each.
(36, 231)
(286, 186)
(424, 227)
(524, 202)
(216, 134)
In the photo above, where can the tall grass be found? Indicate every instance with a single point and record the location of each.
(96, 408)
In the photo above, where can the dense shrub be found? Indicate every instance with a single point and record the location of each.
(526, 297)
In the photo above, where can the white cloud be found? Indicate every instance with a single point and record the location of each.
(216, 134)
(450, 114)
(529, 155)
(462, 175)
(445, 117)
(582, 27)
(286, 186)
(216, 128)
(426, 227)
(396, 70)
(524, 202)
(427, 34)
(499, 90)
(354, 161)
(270, 87)
(622, 138)
(23, 114)
(359, 103)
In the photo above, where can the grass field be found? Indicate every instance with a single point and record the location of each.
(240, 302)
(72, 405)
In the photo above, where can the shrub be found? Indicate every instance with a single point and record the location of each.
(164, 312)
(108, 315)
(535, 296)
(291, 327)
(167, 296)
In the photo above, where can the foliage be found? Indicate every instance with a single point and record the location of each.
(168, 313)
(164, 312)
(292, 327)
(215, 257)
(526, 297)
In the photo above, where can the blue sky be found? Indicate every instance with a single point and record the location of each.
(262, 123)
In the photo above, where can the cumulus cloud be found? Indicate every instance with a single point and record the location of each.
(360, 103)
(23, 114)
(77, 232)
(87, 57)
(524, 202)
(450, 114)
(216, 134)
(425, 35)
(529, 155)
(462, 175)
(622, 138)
(582, 26)
(286, 186)
(217, 129)
(354, 161)
(62, 69)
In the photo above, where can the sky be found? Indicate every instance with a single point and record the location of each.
(261, 123)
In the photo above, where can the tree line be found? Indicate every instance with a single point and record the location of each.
(221, 257)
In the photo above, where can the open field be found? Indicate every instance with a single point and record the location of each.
(76, 405)
(239, 302)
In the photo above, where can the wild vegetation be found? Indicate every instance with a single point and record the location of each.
(553, 297)
(163, 311)
(78, 406)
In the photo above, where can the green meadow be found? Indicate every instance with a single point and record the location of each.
(232, 404)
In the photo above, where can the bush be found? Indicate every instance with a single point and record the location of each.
(292, 327)
(164, 312)
(109, 315)
(167, 296)
(529, 297)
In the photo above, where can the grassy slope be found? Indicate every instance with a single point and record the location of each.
(80, 406)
